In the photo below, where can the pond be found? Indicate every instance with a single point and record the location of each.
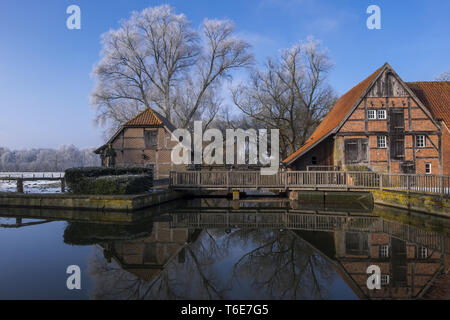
(211, 249)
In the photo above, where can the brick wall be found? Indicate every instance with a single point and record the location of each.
(416, 122)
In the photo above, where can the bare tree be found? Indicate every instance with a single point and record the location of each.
(444, 76)
(156, 59)
(289, 93)
(34, 160)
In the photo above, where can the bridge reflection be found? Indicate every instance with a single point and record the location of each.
(209, 249)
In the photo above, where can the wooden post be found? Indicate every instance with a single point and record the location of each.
(408, 182)
(236, 195)
(19, 185)
(63, 185)
(381, 181)
(442, 186)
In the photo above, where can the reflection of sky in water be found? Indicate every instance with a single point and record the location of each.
(198, 264)
(34, 260)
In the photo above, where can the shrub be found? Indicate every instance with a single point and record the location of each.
(75, 174)
(109, 181)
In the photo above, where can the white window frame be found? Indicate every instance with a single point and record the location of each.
(382, 142)
(423, 253)
(371, 112)
(384, 251)
(423, 143)
(427, 168)
(384, 279)
(383, 115)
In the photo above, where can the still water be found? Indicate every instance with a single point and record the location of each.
(210, 249)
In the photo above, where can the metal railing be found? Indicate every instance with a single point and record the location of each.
(342, 180)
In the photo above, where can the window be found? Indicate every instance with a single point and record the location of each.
(151, 139)
(381, 142)
(381, 114)
(397, 121)
(356, 243)
(150, 253)
(384, 279)
(428, 168)
(423, 253)
(356, 150)
(384, 251)
(420, 142)
(314, 160)
(371, 115)
(397, 144)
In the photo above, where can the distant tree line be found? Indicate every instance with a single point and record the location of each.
(50, 160)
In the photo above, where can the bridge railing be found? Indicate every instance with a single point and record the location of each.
(419, 183)
(311, 180)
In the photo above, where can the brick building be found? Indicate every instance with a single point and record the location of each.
(406, 268)
(143, 141)
(385, 124)
(147, 257)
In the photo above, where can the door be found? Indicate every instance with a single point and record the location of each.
(397, 134)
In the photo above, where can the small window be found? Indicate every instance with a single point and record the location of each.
(423, 253)
(384, 251)
(428, 168)
(384, 279)
(381, 114)
(151, 139)
(314, 160)
(371, 114)
(420, 141)
(381, 142)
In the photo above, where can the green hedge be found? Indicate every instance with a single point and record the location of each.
(75, 174)
(109, 181)
(113, 185)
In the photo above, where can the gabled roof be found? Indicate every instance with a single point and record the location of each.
(337, 114)
(147, 118)
(436, 96)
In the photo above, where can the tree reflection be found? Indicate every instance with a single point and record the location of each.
(220, 264)
(283, 266)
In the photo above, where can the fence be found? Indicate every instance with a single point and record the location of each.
(315, 180)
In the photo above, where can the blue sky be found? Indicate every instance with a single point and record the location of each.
(45, 68)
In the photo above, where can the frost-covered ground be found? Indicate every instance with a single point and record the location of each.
(41, 186)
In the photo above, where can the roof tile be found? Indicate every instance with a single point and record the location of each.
(146, 118)
(435, 95)
(336, 114)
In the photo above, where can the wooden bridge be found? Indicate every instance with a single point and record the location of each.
(20, 179)
(211, 219)
(308, 180)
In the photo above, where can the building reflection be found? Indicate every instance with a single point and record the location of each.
(407, 267)
(147, 257)
(182, 252)
(213, 249)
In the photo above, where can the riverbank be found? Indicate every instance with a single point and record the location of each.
(89, 202)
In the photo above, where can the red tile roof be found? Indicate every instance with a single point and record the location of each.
(435, 96)
(146, 118)
(340, 110)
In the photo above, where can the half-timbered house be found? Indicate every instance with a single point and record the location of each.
(386, 125)
(144, 141)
